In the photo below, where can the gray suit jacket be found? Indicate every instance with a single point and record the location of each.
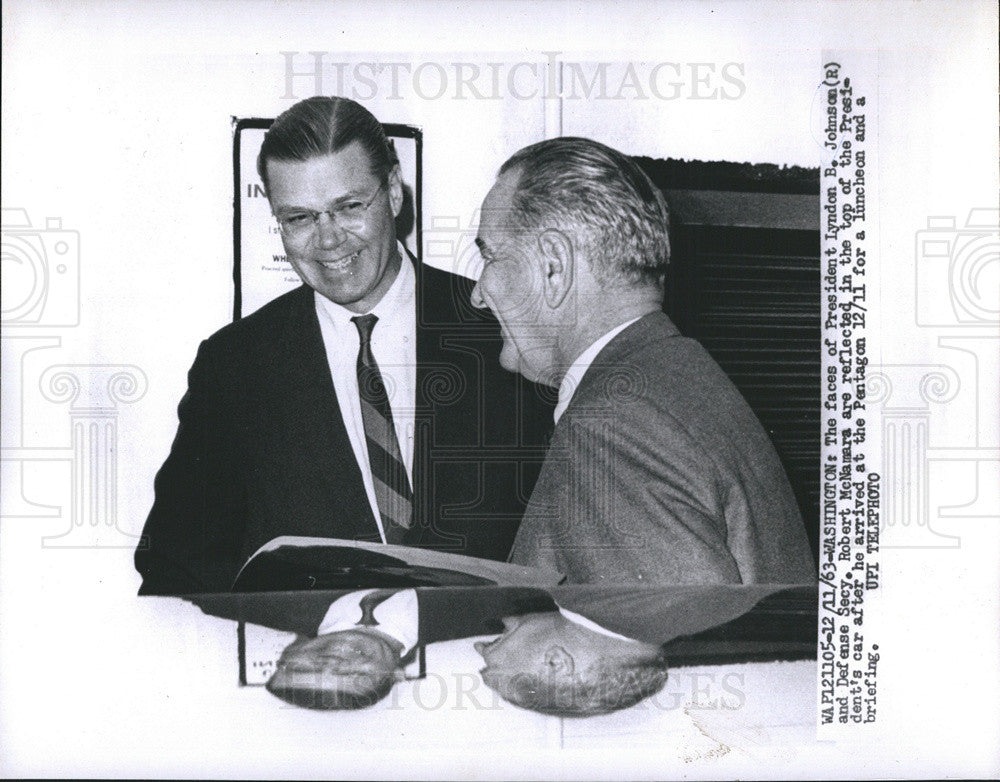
(659, 472)
(705, 624)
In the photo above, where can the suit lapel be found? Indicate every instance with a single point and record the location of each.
(427, 338)
(438, 313)
(427, 352)
(315, 441)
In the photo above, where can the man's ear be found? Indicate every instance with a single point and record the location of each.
(395, 188)
(556, 256)
(398, 674)
(559, 661)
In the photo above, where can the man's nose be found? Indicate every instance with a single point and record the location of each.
(476, 297)
(328, 233)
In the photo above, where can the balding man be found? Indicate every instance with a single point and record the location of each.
(658, 471)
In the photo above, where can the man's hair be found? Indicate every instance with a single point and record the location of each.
(605, 687)
(320, 126)
(355, 691)
(603, 197)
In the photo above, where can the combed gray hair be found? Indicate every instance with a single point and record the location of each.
(608, 203)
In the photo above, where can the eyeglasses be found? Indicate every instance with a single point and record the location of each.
(310, 667)
(301, 225)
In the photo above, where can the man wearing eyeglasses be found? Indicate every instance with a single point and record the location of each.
(351, 650)
(568, 651)
(367, 404)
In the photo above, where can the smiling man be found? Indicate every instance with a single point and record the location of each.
(569, 651)
(352, 648)
(366, 404)
(547, 659)
(356, 656)
(658, 471)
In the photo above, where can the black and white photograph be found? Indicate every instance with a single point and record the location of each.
(534, 390)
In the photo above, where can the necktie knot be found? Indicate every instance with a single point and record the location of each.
(369, 603)
(365, 324)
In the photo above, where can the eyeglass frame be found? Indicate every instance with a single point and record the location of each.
(333, 214)
(419, 651)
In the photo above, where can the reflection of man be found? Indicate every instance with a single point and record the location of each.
(356, 655)
(547, 658)
(579, 654)
(615, 652)
(323, 413)
(558, 662)
(357, 651)
(658, 471)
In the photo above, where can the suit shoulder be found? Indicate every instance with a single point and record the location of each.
(265, 322)
(439, 278)
(656, 347)
(445, 299)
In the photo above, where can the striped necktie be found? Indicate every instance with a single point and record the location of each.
(392, 486)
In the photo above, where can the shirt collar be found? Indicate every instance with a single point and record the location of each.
(571, 380)
(578, 619)
(402, 292)
(396, 616)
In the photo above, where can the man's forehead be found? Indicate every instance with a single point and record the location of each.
(348, 168)
(496, 205)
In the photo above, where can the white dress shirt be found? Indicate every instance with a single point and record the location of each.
(571, 380)
(394, 345)
(397, 616)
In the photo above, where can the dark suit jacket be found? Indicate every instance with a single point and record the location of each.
(261, 449)
(660, 473)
